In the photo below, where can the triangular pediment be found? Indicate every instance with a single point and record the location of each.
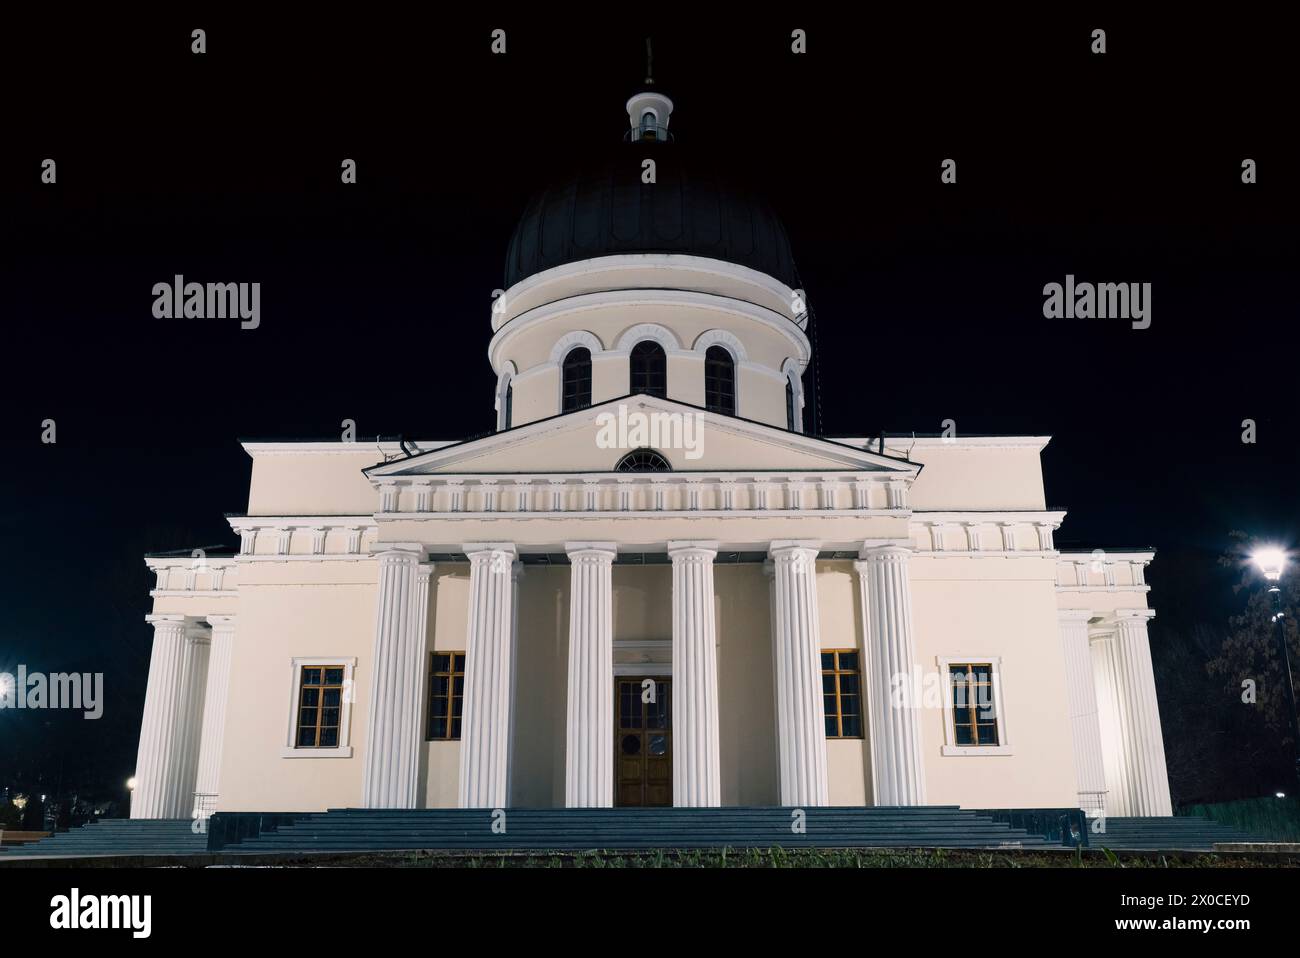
(594, 439)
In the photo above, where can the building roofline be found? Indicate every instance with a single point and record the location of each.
(969, 441)
(534, 424)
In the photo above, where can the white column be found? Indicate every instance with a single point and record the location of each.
(796, 637)
(167, 759)
(1109, 723)
(589, 738)
(897, 763)
(390, 775)
(696, 768)
(1126, 685)
(1081, 695)
(198, 645)
(208, 780)
(516, 574)
(489, 691)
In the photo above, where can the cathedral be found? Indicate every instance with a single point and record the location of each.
(649, 586)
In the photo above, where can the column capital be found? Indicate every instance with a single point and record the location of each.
(789, 547)
(472, 549)
(881, 548)
(424, 570)
(689, 547)
(221, 621)
(166, 618)
(595, 548)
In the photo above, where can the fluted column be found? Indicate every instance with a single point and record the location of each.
(1126, 684)
(489, 677)
(1110, 723)
(897, 763)
(167, 759)
(1081, 695)
(696, 770)
(796, 637)
(589, 738)
(516, 574)
(215, 697)
(390, 775)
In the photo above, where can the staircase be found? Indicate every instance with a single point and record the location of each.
(355, 829)
(1184, 833)
(117, 836)
(636, 828)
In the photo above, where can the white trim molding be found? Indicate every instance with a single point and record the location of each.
(598, 270)
(344, 748)
(289, 528)
(570, 341)
(950, 746)
(986, 534)
(1103, 571)
(721, 337)
(792, 372)
(180, 577)
(504, 380)
(609, 494)
(631, 299)
(662, 335)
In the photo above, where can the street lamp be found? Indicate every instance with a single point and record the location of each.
(130, 794)
(1271, 561)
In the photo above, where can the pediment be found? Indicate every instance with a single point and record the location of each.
(594, 439)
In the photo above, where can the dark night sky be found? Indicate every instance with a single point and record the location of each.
(375, 297)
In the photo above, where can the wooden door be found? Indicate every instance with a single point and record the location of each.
(643, 753)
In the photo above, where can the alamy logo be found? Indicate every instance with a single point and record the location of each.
(134, 912)
(58, 690)
(657, 430)
(181, 300)
(1130, 301)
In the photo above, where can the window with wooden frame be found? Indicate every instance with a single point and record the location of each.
(446, 693)
(320, 706)
(842, 693)
(974, 708)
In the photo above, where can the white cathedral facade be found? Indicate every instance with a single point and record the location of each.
(649, 586)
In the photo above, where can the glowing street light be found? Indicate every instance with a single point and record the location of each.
(1272, 561)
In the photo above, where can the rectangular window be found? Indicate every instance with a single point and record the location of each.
(842, 693)
(446, 693)
(320, 706)
(974, 712)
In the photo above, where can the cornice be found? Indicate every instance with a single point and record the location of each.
(256, 448)
(624, 298)
(1037, 443)
(711, 269)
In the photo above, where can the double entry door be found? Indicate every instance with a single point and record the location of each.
(643, 741)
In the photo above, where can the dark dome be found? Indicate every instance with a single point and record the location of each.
(608, 211)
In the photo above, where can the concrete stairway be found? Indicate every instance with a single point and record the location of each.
(118, 836)
(637, 828)
(622, 828)
(1185, 833)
